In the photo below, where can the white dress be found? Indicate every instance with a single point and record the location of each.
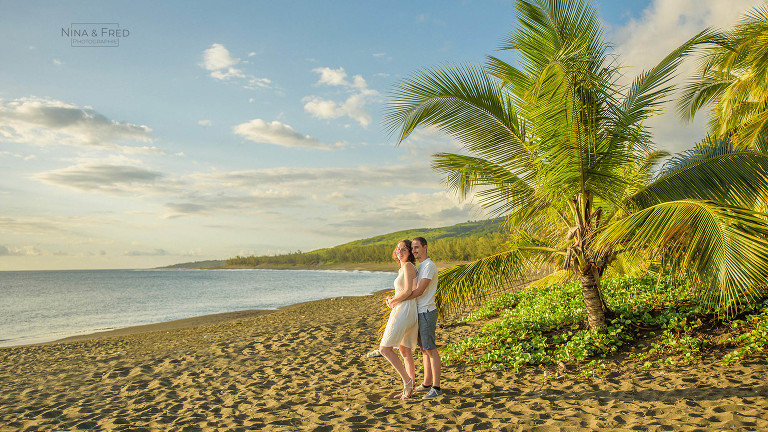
(403, 323)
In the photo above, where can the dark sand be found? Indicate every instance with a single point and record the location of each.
(304, 368)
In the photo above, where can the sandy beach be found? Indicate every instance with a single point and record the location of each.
(304, 368)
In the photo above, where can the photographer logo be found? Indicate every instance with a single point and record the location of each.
(95, 35)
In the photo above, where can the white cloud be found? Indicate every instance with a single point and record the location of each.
(332, 77)
(155, 252)
(58, 62)
(20, 251)
(662, 27)
(324, 109)
(359, 83)
(45, 122)
(221, 63)
(354, 105)
(191, 252)
(315, 180)
(103, 178)
(402, 211)
(28, 225)
(246, 200)
(228, 73)
(357, 201)
(204, 123)
(427, 205)
(254, 82)
(218, 57)
(424, 142)
(18, 155)
(342, 201)
(270, 191)
(665, 24)
(260, 131)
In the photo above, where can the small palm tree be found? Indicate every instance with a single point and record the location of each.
(733, 80)
(558, 146)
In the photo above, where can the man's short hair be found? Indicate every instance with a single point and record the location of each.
(422, 241)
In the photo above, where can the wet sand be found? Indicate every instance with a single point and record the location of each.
(304, 368)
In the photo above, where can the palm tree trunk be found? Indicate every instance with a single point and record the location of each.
(590, 288)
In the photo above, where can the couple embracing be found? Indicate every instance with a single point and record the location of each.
(413, 319)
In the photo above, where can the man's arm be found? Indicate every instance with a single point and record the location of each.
(420, 288)
(415, 293)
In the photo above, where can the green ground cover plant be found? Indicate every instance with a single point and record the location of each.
(751, 334)
(653, 322)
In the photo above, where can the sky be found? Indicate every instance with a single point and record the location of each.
(183, 131)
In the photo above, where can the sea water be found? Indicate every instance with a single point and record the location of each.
(42, 306)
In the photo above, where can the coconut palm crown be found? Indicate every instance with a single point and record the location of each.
(733, 80)
(557, 144)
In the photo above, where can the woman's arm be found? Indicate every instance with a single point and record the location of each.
(409, 276)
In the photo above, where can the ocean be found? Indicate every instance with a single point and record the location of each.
(43, 306)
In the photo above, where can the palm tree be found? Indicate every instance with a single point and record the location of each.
(558, 146)
(733, 80)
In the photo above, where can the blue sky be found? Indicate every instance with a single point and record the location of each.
(218, 129)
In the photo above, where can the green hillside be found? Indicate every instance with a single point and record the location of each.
(468, 229)
(462, 242)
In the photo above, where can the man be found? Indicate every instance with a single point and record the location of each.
(424, 293)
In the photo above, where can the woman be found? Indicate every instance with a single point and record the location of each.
(402, 325)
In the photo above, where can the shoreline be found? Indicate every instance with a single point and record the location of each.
(183, 323)
(304, 367)
(218, 317)
(56, 336)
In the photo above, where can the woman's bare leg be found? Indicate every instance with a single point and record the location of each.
(410, 367)
(390, 354)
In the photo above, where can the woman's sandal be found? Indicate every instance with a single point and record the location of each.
(407, 390)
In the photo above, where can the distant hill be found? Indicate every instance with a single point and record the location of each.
(198, 265)
(456, 243)
(467, 229)
(462, 242)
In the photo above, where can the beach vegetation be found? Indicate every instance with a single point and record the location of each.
(558, 144)
(655, 323)
(750, 335)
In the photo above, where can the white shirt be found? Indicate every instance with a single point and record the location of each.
(426, 301)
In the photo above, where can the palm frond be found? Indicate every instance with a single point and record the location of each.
(466, 284)
(714, 170)
(465, 102)
(466, 173)
(554, 278)
(731, 79)
(752, 131)
(650, 90)
(723, 248)
(648, 162)
(625, 265)
(701, 92)
(517, 81)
